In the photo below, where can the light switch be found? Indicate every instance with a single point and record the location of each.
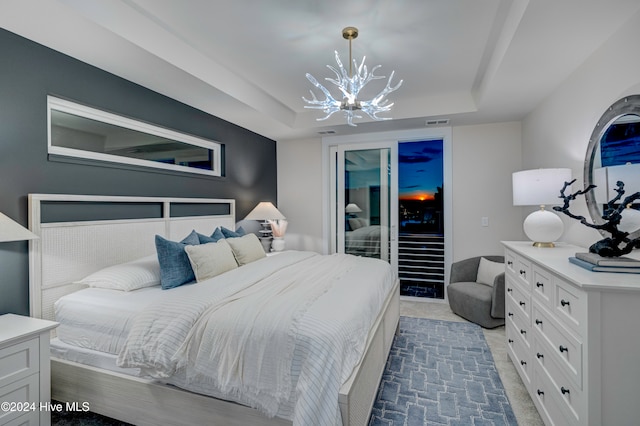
(485, 221)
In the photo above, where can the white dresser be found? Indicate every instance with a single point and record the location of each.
(25, 378)
(574, 336)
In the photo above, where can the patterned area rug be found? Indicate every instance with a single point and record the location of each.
(440, 373)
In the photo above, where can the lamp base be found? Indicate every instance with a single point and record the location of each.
(544, 245)
(543, 227)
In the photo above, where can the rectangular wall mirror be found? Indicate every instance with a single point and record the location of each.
(79, 131)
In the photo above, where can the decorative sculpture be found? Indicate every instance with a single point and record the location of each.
(619, 243)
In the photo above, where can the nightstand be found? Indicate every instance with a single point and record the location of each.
(25, 373)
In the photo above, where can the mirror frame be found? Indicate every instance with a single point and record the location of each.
(629, 105)
(82, 112)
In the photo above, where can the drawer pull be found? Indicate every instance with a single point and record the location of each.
(538, 322)
(523, 362)
(510, 340)
(523, 331)
(540, 392)
(509, 262)
(563, 349)
(510, 314)
(523, 272)
(539, 355)
(564, 302)
(509, 289)
(522, 303)
(539, 284)
(564, 390)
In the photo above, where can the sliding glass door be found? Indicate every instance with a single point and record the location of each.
(388, 202)
(364, 214)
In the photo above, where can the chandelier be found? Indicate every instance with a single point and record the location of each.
(350, 85)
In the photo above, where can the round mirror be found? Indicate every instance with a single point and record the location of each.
(613, 155)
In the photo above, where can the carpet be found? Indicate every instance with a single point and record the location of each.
(438, 373)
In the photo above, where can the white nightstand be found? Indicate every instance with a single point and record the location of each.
(25, 373)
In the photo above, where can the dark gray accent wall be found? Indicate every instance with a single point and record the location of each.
(28, 73)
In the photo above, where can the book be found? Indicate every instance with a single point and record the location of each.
(596, 268)
(596, 259)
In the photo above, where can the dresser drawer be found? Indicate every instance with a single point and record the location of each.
(558, 404)
(18, 361)
(523, 272)
(560, 344)
(518, 300)
(519, 353)
(510, 262)
(542, 286)
(25, 390)
(520, 324)
(570, 305)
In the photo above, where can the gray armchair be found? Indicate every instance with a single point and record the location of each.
(478, 303)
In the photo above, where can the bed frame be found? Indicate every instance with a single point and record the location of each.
(68, 250)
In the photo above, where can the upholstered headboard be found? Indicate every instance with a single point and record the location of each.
(81, 234)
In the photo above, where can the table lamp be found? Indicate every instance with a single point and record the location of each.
(266, 211)
(13, 231)
(541, 187)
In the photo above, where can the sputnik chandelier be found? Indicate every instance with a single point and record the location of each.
(350, 85)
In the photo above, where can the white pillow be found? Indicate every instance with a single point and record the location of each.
(140, 273)
(355, 223)
(246, 249)
(488, 271)
(211, 259)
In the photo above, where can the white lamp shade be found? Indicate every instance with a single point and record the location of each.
(352, 208)
(264, 211)
(539, 187)
(12, 231)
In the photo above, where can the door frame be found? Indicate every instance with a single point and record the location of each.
(443, 133)
(337, 181)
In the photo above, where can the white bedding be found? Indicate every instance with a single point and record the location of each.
(330, 331)
(100, 319)
(363, 241)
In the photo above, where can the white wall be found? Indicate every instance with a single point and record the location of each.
(556, 134)
(300, 192)
(483, 156)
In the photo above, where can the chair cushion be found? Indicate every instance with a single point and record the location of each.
(472, 301)
(473, 290)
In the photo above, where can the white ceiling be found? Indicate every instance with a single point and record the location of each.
(470, 61)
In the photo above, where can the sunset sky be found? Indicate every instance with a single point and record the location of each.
(420, 166)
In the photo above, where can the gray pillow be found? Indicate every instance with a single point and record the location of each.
(209, 260)
(246, 249)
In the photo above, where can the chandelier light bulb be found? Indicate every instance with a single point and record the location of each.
(350, 84)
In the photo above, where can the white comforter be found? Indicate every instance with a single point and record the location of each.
(280, 334)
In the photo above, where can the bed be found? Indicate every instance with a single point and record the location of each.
(80, 235)
(364, 241)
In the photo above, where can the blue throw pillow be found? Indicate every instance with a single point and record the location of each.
(175, 267)
(228, 233)
(217, 235)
